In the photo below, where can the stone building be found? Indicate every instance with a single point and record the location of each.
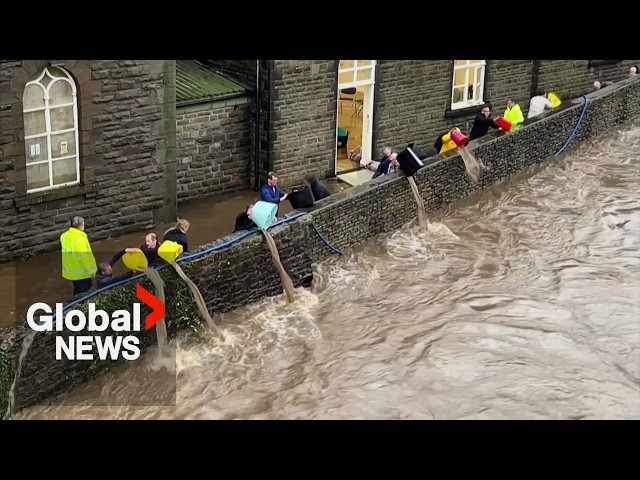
(122, 142)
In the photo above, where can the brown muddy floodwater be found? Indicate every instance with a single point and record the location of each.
(530, 309)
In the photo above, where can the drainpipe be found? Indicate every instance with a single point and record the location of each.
(535, 77)
(256, 160)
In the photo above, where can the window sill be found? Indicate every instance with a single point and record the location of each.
(464, 112)
(53, 194)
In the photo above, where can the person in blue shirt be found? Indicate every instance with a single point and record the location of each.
(387, 166)
(270, 192)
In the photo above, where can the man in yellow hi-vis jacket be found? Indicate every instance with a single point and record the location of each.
(514, 115)
(78, 262)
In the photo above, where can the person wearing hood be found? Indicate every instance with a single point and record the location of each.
(318, 189)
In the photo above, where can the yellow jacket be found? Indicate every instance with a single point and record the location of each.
(514, 115)
(447, 143)
(78, 261)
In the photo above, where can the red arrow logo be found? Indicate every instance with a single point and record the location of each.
(156, 305)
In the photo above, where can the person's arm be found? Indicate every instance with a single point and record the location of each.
(117, 256)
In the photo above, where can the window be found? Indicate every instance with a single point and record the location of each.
(50, 111)
(354, 73)
(468, 83)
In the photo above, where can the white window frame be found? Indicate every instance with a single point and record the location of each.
(47, 115)
(478, 87)
(354, 74)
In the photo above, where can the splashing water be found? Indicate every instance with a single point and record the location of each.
(161, 326)
(201, 304)
(287, 284)
(26, 343)
(423, 221)
(472, 165)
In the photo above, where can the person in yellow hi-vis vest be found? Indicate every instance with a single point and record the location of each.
(78, 262)
(514, 115)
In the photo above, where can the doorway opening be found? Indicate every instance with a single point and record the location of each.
(356, 79)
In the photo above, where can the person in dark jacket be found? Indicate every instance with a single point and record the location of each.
(318, 189)
(178, 234)
(243, 222)
(150, 248)
(104, 275)
(482, 123)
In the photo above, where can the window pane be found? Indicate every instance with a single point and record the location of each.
(61, 118)
(479, 74)
(364, 74)
(362, 63)
(34, 123)
(36, 149)
(458, 94)
(344, 64)
(57, 73)
(64, 171)
(345, 77)
(38, 176)
(458, 63)
(458, 79)
(63, 144)
(33, 97)
(60, 92)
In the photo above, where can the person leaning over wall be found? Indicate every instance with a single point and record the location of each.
(178, 234)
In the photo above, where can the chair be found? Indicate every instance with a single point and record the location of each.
(347, 95)
(358, 104)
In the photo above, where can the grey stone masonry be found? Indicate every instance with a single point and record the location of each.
(230, 275)
(302, 122)
(214, 151)
(127, 154)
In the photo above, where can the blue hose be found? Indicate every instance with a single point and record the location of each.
(325, 240)
(584, 109)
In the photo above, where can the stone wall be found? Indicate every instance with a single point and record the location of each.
(242, 272)
(214, 150)
(127, 141)
(302, 124)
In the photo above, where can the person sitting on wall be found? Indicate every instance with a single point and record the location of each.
(513, 114)
(387, 166)
(481, 124)
(105, 277)
(372, 164)
(538, 104)
(318, 188)
(178, 234)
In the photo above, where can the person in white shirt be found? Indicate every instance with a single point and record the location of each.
(538, 104)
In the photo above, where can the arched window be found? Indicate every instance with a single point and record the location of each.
(50, 109)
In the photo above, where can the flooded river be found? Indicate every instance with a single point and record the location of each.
(530, 309)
